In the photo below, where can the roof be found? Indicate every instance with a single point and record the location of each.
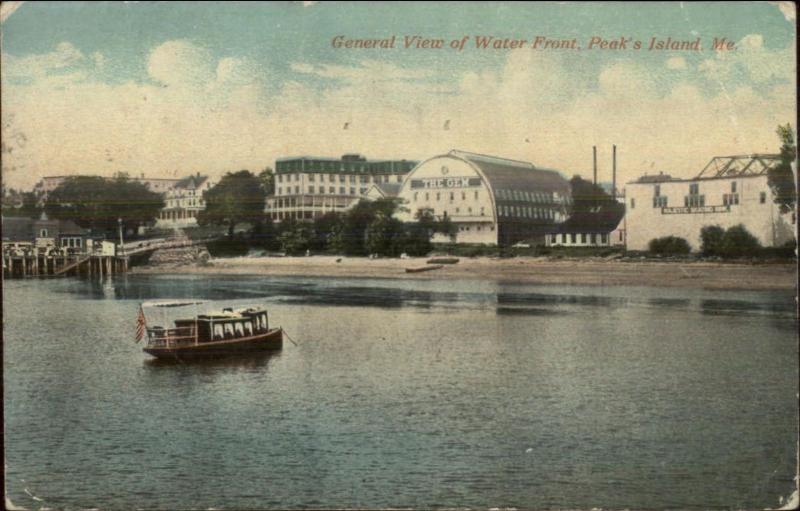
(70, 227)
(193, 181)
(723, 167)
(503, 173)
(603, 221)
(18, 229)
(389, 189)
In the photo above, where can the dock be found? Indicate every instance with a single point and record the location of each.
(89, 265)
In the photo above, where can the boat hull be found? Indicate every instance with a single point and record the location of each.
(271, 340)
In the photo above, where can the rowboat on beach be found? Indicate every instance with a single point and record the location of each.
(428, 267)
(211, 334)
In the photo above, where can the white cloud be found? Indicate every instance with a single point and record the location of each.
(676, 63)
(217, 115)
(36, 66)
(751, 61)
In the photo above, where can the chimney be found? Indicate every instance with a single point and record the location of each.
(594, 163)
(614, 172)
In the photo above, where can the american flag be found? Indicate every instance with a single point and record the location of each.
(141, 325)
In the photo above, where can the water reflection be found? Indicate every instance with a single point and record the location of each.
(249, 362)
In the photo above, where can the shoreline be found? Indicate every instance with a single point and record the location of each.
(527, 270)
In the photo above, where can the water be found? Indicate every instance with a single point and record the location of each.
(414, 393)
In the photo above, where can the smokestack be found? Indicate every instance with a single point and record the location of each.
(594, 163)
(614, 172)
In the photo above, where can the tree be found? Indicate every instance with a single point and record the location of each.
(295, 237)
(781, 178)
(326, 228)
(238, 197)
(384, 236)
(738, 242)
(711, 237)
(21, 204)
(267, 177)
(587, 197)
(669, 245)
(97, 203)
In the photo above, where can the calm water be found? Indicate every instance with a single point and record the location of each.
(404, 393)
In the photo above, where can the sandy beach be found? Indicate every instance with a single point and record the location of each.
(533, 270)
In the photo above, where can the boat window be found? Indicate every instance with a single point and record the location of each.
(228, 330)
(218, 333)
(248, 328)
(239, 329)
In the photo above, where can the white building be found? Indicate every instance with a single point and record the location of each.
(731, 190)
(490, 200)
(155, 184)
(603, 228)
(184, 201)
(308, 187)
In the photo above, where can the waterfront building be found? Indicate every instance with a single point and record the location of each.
(489, 200)
(603, 228)
(729, 191)
(26, 234)
(308, 187)
(155, 184)
(184, 201)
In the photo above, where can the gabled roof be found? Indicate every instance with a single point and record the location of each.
(389, 189)
(18, 229)
(603, 221)
(509, 174)
(193, 181)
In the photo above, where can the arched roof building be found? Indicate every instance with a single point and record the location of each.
(489, 199)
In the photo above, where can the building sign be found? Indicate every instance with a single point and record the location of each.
(695, 209)
(446, 182)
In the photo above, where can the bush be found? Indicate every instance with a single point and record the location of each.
(227, 247)
(711, 237)
(669, 245)
(738, 242)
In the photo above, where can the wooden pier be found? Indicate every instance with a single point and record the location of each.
(90, 265)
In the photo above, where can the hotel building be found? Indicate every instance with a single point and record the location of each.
(308, 187)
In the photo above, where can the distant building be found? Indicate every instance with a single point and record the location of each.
(155, 184)
(308, 187)
(43, 233)
(601, 228)
(490, 200)
(184, 201)
(383, 191)
(730, 190)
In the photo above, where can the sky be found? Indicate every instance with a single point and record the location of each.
(169, 89)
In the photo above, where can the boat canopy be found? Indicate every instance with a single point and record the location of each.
(173, 303)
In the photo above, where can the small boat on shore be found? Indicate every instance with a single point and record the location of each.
(428, 267)
(212, 334)
(443, 260)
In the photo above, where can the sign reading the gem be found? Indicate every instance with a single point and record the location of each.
(446, 182)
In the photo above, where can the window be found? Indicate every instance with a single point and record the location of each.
(311, 178)
(593, 238)
(341, 178)
(341, 190)
(563, 238)
(296, 189)
(331, 189)
(463, 195)
(352, 190)
(657, 191)
(733, 186)
(604, 239)
(280, 178)
(633, 203)
(573, 237)
(310, 189)
(554, 238)
(43, 233)
(427, 196)
(476, 195)
(438, 196)
(694, 189)
(452, 196)
(583, 238)
(762, 197)
(660, 201)
(279, 190)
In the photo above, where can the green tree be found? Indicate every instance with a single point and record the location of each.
(384, 236)
(295, 237)
(326, 229)
(267, 177)
(738, 242)
(669, 245)
(21, 204)
(711, 237)
(97, 203)
(781, 178)
(237, 198)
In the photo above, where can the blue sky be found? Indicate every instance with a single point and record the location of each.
(173, 88)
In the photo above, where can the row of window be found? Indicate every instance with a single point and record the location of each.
(322, 191)
(525, 212)
(171, 203)
(522, 195)
(452, 195)
(341, 178)
(573, 238)
(728, 199)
